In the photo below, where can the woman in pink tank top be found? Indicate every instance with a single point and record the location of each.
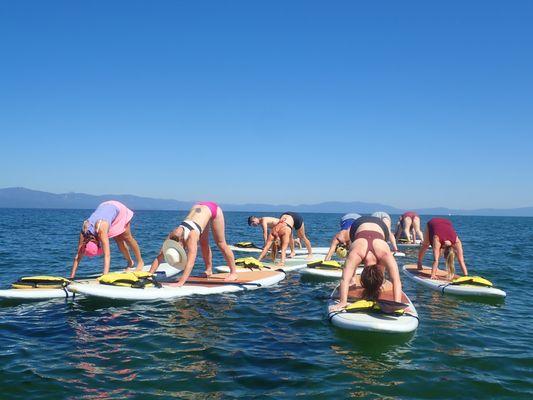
(441, 235)
(111, 219)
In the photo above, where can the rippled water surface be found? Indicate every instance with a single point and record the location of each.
(269, 343)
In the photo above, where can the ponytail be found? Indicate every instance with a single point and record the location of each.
(371, 281)
(450, 260)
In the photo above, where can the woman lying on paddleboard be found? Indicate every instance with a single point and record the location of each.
(409, 225)
(194, 229)
(283, 231)
(368, 236)
(111, 219)
(441, 235)
(342, 237)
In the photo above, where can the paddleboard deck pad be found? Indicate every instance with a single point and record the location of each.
(444, 285)
(291, 264)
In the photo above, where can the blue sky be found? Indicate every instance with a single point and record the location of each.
(412, 103)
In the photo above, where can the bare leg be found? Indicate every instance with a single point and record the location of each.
(407, 228)
(416, 224)
(134, 246)
(291, 246)
(301, 235)
(123, 247)
(218, 227)
(207, 255)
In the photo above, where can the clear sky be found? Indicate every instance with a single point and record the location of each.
(408, 103)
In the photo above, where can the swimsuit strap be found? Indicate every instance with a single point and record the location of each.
(369, 236)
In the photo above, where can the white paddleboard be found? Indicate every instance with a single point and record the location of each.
(325, 274)
(442, 284)
(370, 321)
(404, 245)
(196, 286)
(164, 272)
(302, 251)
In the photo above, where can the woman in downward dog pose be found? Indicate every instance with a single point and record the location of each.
(343, 236)
(441, 235)
(194, 229)
(267, 223)
(111, 219)
(283, 231)
(409, 225)
(368, 236)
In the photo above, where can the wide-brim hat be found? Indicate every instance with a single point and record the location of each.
(174, 253)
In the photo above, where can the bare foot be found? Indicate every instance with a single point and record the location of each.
(292, 255)
(177, 284)
(231, 277)
(208, 272)
(309, 256)
(433, 277)
(337, 307)
(140, 266)
(280, 264)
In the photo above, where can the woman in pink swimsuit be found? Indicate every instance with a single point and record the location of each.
(409, 225)
(441, 236)
(194, 229)
(368, 236)
(110, 220)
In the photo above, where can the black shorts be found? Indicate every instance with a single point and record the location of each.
(298, 220)
(365, 220)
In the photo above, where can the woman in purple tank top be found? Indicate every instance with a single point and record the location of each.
(110, 220)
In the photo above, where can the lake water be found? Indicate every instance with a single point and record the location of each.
(269, 343)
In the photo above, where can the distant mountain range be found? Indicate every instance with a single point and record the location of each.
(26, 198)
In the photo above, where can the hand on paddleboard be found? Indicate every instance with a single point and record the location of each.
(337, 307)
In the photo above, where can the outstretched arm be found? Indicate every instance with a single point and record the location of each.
(353, 260)
(436, 257)
(334, 243)
(192, 251)
(104, 240)
(264, 226)
(77, 257)
(394, 275)
(393, 241)
(267, 247)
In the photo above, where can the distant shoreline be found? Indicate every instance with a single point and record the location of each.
(263, 212)
(23, 198)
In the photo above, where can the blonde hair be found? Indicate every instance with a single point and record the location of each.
(274, 250)
(450, 260)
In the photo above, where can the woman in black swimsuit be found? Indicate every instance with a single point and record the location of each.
(368, 236)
